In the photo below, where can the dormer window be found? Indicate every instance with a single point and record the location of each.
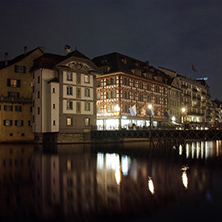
(124, 60)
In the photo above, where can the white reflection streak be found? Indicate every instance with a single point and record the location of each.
(180, 149)
(187, 150)
(151, 185)
(125, 161)
(118, 176)
(185, 177)
(193, 149)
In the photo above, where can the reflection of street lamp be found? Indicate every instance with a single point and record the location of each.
(151, 185)
(173, 118)
(150, 109)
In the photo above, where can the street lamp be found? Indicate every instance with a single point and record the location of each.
(150, 109)
(183, 113)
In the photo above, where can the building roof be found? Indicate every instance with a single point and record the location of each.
(118, 62)
(54, 80)
(48, 60)
(17, 59)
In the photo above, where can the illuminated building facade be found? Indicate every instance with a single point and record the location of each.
(195, 99)
(64, 96)
(129, 83)
(15, 97)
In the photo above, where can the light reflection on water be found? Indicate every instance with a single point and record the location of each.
(76, 182)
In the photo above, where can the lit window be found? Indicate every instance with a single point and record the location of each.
(87, 79)
(68, 121)
(13, 82)
(87, 121)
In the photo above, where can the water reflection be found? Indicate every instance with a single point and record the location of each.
(75, 182)
(200, 149)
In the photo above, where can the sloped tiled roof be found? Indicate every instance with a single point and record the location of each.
(48, 60)
(54, 80)
(78, 54)
(17, 59)
(116, 62)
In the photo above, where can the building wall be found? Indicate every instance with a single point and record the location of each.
(129, 90)
(42, 100)
(16, 91)
(78, 98)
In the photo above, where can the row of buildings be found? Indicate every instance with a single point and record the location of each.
(62, 97)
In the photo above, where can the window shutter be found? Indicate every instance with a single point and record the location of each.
(8, 82)
(18, 83)
(10, 122)
(24, 69)
(22, 123)
(16, 68)
(4, 122)
(16, 122)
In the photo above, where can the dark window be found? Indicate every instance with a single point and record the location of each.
(18, 108)
(18, 122)
(8, 108)
(13, 94)
(20, 69)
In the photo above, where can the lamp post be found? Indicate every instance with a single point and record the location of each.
(150, 108)
(183, 113)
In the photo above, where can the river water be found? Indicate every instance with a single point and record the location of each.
(103, 183)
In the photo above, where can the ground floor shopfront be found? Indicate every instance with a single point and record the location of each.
(125, 123)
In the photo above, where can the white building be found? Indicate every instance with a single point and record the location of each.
(63, 97)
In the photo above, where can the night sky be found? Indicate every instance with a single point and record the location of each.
(169, 33)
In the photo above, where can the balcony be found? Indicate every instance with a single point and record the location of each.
(184, 86)
(15, 99)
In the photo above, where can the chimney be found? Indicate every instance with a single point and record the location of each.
(67, 49)
(25, 50)
(6, 58)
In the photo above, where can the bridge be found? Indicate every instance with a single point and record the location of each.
(211, 134)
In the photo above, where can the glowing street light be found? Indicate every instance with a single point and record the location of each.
(150, 109)
(183, 113)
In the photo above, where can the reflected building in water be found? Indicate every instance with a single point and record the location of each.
(64, 184)
(75, 183)
(15, 180)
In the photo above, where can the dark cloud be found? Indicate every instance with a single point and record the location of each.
(171, 33)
